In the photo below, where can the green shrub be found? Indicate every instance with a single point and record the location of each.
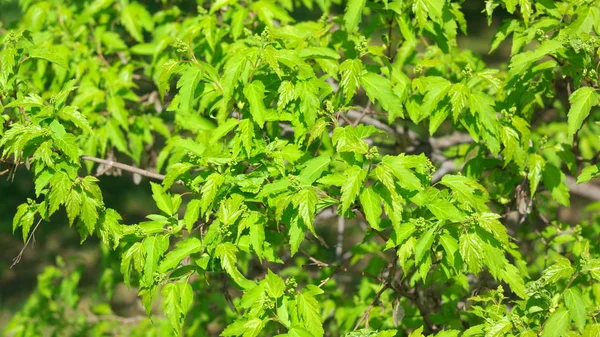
(320, 168)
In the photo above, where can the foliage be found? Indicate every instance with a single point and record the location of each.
(268, 125)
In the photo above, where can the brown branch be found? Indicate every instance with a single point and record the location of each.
(125, 167)
(587, 190)
(123, 320)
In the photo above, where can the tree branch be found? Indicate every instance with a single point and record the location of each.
(587, 190)
(125, 167)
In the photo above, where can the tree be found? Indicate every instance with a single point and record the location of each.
(357, 174)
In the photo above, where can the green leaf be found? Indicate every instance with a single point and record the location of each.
(24, 218)
(73, 205)
(223, 129)
(7, 63)
(153, 247)
(306, 203)
(353, 14)
(49, 56)
(178, 299)
(351, 71)
(182, 250)
(164, 74)
(72, 114)
(257, 234)
(471, 251)
(296, 234)
(287, 93)
(313, 169)
(110, 229)
(135, 18)
(355, 177)
(582, 101)
(371, 207)
(308, 310)
(589, 173)
(192, 213)
(60, 186)
(427, 8)
(319, 52)
(275, 285)
(218, 4)
(561, 269)
(246, 134)
(576, 305)
(466, 191)
(226, 253)
(162, 199)
(521, 62)
(450, 246)
(511, 275)
(187, 85)
(557, 324)
(89, 214)
(536, 167)
(424, 244)
(173, 172)
(308, 92)
(380, 88)
(236, 328)
(459, 96)
(253, 327)
(554, 180)
(444, 210)
(347, 140)
(400, 168)
(593, 267)
(255, 94)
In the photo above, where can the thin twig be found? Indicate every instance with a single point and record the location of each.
(17, 259)
(125, 167)
(120, 319)
(366, 110)
(22, 110)
(368, 311)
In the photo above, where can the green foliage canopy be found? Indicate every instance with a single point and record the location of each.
(260, 125)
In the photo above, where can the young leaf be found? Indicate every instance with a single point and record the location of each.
(536, 167)
(313, 169)
(162, 199)
(354, 183)
(351, 71)
(380, 88)
(576, 305)
(589, 173)
(308, 310)
(557, 324)
(353, 14)
(275, 285)
(178, 299)
(582, 101)
(424, 244)
(192, 213)
(255, 94)
(306, 202)
(182, 250)
(226, 253)
(371, 206)
(153, 247)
